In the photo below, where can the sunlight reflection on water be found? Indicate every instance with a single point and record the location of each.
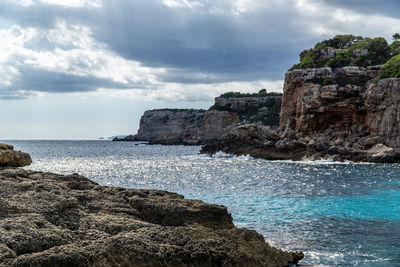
(336, 213)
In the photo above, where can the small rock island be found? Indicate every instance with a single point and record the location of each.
(48, 219)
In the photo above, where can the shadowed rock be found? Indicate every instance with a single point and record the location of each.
(54, 220)
(13, 158)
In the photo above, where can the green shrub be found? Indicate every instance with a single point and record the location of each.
(378, 52)
(395, 47)
(219, 107)
(261, 93)
(339, 42)
(391, 69)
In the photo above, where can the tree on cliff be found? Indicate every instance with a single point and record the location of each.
(396, 36)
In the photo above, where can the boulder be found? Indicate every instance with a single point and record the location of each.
(13, 158)
(380, 153)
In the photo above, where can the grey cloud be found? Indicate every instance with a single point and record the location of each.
(31, 79)
(250, 46)
(199, 45)
(204, 42)
(13, 95)
(389, 8)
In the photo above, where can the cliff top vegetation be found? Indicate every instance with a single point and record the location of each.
(350, 50)
(180, 110)
(261, 93)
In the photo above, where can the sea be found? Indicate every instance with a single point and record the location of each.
(338, 214)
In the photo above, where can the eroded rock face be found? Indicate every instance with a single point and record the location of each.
(262, 110)
(55, 220)
(197, 127)
(351, 103)
(169, 125)
(215, 124)
(382, 104)
(13, 158)
(315, 100)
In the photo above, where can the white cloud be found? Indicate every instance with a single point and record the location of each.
(187, 59)
(73, 51)
(176, 92)
(182, 3)
(75, 3)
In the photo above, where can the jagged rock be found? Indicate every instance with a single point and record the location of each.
(258, 141)
(372, 140)
(215, 124)
(6, 147)
(382, 102)
(13, 158)
(169, 126)
(382, 153)
(54, 220)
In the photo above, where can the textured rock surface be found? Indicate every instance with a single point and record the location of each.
(263, 110)
(354, 103)
(13, 158)
(310, 104)
(196, 127)
(55, 220)
(169, 125)
(382, 103)
(262, 142)
(346, 120)
(215, 124)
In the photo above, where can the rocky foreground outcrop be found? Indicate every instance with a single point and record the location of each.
(48, 219)
(331, 111)
(13, 158)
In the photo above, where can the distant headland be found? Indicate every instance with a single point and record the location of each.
(340, 102)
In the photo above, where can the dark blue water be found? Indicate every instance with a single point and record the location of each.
(338, 214)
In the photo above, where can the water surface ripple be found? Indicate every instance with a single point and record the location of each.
(338, 214)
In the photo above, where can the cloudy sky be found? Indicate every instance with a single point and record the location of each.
(73, 69)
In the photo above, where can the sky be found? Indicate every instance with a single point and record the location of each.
(80, 69)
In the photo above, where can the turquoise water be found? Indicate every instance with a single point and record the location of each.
(339, 214)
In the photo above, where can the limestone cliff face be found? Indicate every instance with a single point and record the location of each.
(263, 110)
(382, 103)
(215, 124)
(169, 125)
(352, 102)
(196, 127)
(317, 99)
(188, 127)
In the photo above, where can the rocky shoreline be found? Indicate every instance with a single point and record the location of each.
(48, 219)
(263, 142)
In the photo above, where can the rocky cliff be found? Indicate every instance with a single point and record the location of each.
(169, 126)
(55, 220)
(262, 108)
(195, 127)
(330, 110)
